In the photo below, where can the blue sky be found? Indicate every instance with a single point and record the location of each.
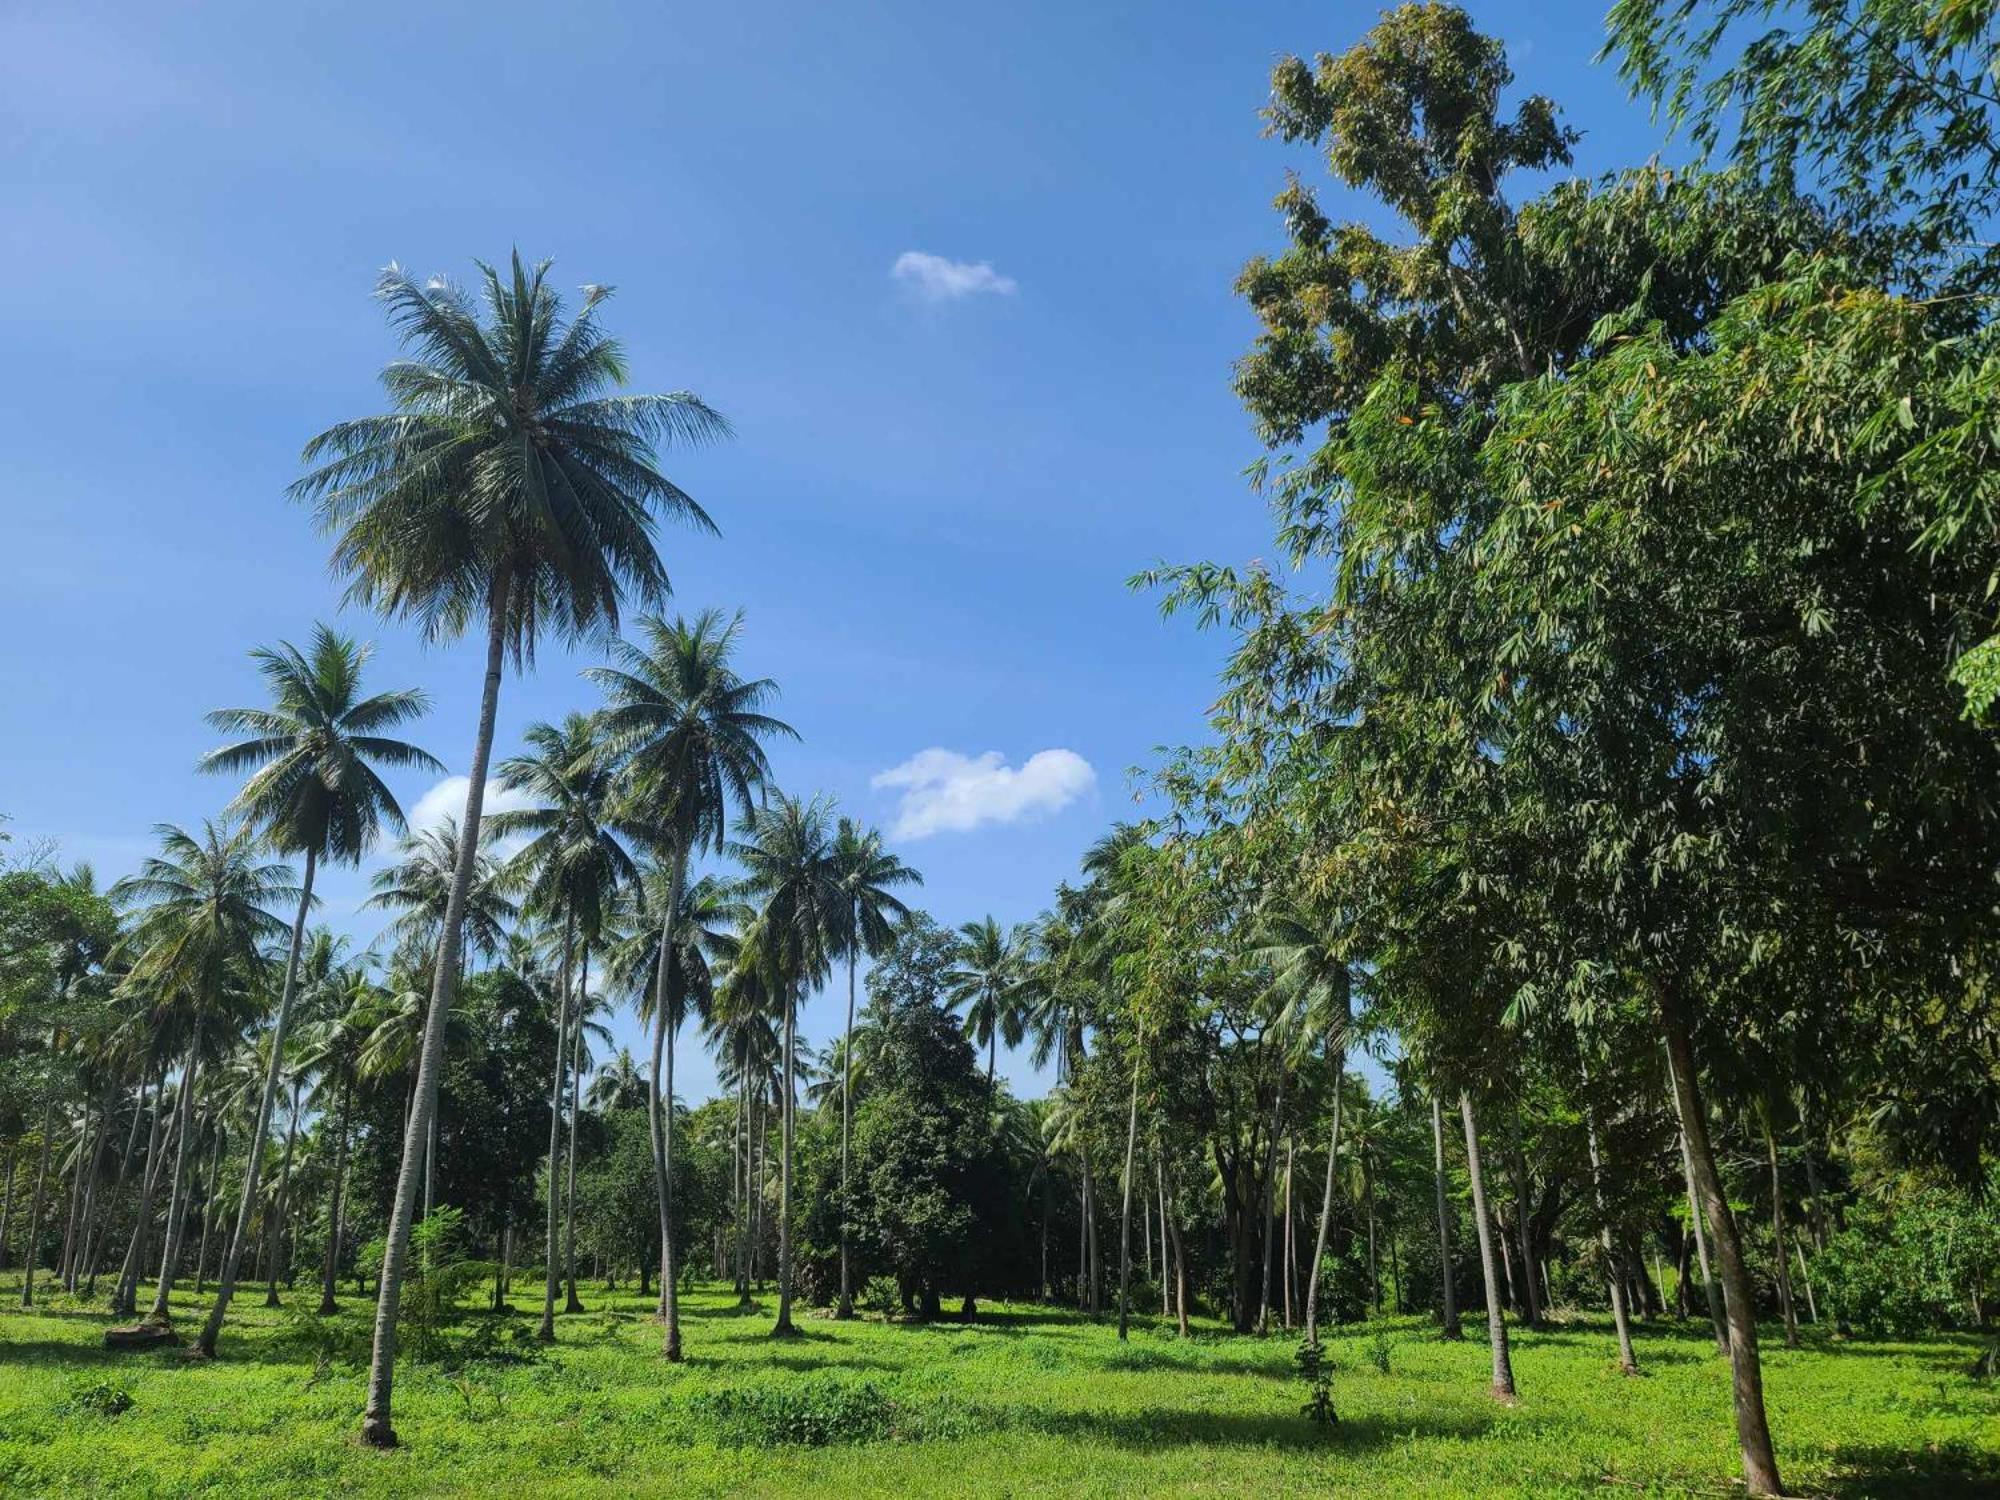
(960, 276)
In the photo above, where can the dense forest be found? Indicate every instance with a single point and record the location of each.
(1583, 899)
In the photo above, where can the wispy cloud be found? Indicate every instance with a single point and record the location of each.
(447, 800)
(936, 279)
(946, 792)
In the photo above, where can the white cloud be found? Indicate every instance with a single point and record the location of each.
(936, 279)
(447, 800)
(945, 792)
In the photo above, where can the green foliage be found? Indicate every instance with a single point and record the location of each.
(95, 1396)
(1317, 1371)
(1912, 1264)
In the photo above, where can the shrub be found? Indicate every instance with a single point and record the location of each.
(811, 1411)
(101, 1398)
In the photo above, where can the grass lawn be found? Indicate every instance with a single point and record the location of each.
(1026, 1402)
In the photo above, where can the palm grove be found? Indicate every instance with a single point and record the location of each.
(1608, 764)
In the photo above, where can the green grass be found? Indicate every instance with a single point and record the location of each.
(1026, 1402)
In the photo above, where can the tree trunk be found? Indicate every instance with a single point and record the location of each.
(1166, 1260)
(552, 1272)
(783, 1327)
(1753, 1432)
(276, 1236)
(845, 1307)
(378, 1427)
(1339, 1051)
(571, 1304)
(1291, 1267)
(661, 1102)
(1180, 1260)
(225, 1287)
(1782, 1267)
(125, 1298)
(85, 1152)
(327, 1306)
(1710, 1289)
(1447, 1275)
(1090, 1237)
(1531, 1307)
(31, 1254)
(1496, 1317)
(177, 1202)
(1125, 1213)
(1627, 1360)
(1270, 1199)
(208, 1206)
(7, 1204)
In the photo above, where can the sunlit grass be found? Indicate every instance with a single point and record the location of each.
(1028, 1401)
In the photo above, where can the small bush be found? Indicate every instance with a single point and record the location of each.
(99, 1398)
(812, 1412)
(1378, 1351)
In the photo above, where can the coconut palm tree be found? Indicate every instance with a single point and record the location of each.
(687, 732)
(332, 1051)
(788, 862)
(196, 941)
(619, 1084)
(510, 486)
(985, 982)
(744, 1040)
(865, 871)
(572, 866)
(418, 889)
(1307, 959)
(314, 793)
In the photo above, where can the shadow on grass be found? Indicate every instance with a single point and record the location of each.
(1954, 1471)
(1157, 1427)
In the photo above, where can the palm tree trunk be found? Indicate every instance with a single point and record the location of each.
(571, 1304)
(845, 1307)
(1326, 1197)
(177, 1201)
(783, 1327)
(1270, 1198)
(31, 1255)
(327, 1306)
(92, 1199)
(1291, 1244)
(1447, 1275)
(276, 1236)
(126, 1297)
(85, 1150)
(660, 1107)
(552, 1261)
(254, 1168)
(740, 1170)
(1166, 1267)
(1090, 1236)
(1627, 1360)
(1125, 1214)
(1496, 1316)
(378, 1427)
(1180, 1269)
(1753, 1432)
(208, 1206)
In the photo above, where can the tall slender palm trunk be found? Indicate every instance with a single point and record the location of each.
(845, 1307)
(219, 1138)
(1717, 1318)
(1180, 1268)
(1271, 1198)
(1326, 1196)
(1125, 1213)
(570, 1303)
(125, 1297)
(1496, 1315)
(783, 1327)
(552, 1262)
(177, 1201)
(1166, 1271)
(660, 1109)
(1447, 1274)
(31, 1254)
(274, 1237)
(7, 1203)
(1628, 1361)
(253, 1169)
(378, 1426)
(1753, 1431)
(84, 1167)
(331, 1266)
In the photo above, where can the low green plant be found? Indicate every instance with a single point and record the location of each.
(97, 1397)
(1318, 1372)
